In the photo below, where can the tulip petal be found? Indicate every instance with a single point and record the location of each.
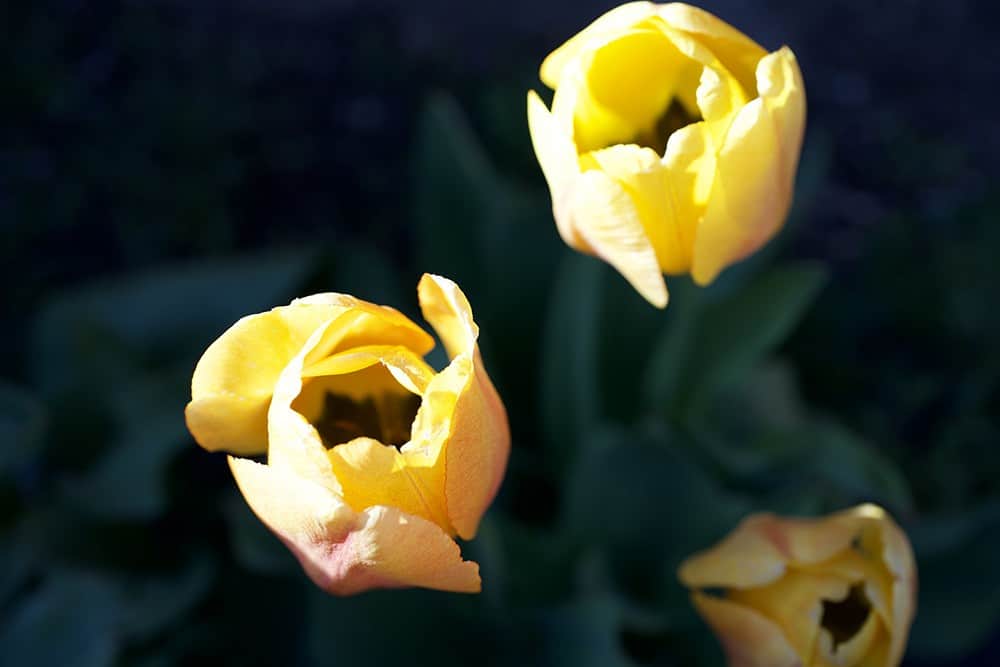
(755, 171)
(371, 473)
(618, 19)
(410, 370)
(735, 50)
(608, 220)
(345, 552)
(645, 178)
(744, 559)
(795, 603)
(748, 638)
(898, 556)
(557, 156)
(233, 381)
(462, 409)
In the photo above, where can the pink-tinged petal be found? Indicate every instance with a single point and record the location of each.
(344, 551)
(745, 558)
(462, 413)
(748, 638)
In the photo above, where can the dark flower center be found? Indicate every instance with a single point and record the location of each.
(845, 618)
(386, 417)
(673, 118)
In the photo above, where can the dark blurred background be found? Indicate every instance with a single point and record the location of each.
(167, 167)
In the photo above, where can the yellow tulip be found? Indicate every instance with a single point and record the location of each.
(833, 592)
(672, 142)
(375, 462)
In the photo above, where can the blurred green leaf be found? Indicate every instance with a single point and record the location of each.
(70, 620)
(637, 496)
(959, 594)
(457, 195)
(736, 333)
(583, 634)
(98, 333)
(399, 627)
(22, 426)
(129, 481)
(569, 395)
(151, 603)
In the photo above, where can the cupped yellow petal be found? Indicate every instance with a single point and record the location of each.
(755, 170)
(618, 19)
(748, 638)
(234, 379)
(372, 473)
(795, 604)
(736, 51)
(344, 551)
(462, 412)
(608, 111)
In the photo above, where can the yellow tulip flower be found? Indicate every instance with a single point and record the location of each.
(375, 462)
(833, 592)
(672, 142)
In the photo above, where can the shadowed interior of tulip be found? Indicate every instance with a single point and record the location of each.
(366, 403)
(639, 89)
(845, 618)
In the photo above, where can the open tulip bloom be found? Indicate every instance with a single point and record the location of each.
(833, 592)
(672, 142)
(374, 461)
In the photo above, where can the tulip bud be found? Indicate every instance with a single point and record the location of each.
(375, 462)
(672, 142)
(833, 592)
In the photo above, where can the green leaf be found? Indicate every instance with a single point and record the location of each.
(583, 634)
(23, 422)
(638, 497)
(738, 332)
(130, 480)
(569, 394)
(959, 605)
(152, 603)
(97, 334)
(70, 620)
(457, 194)
(399, 627)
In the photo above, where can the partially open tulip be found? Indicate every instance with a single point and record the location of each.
(672, 142)
(374, 461)
(832, 592)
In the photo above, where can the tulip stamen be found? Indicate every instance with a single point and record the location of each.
(843, 619)
(673, 118)
(386, 417)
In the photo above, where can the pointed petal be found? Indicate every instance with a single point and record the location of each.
(645, 178)
(606, 217)
(461, 412)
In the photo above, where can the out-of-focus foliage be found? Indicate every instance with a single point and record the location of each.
(199, 183)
